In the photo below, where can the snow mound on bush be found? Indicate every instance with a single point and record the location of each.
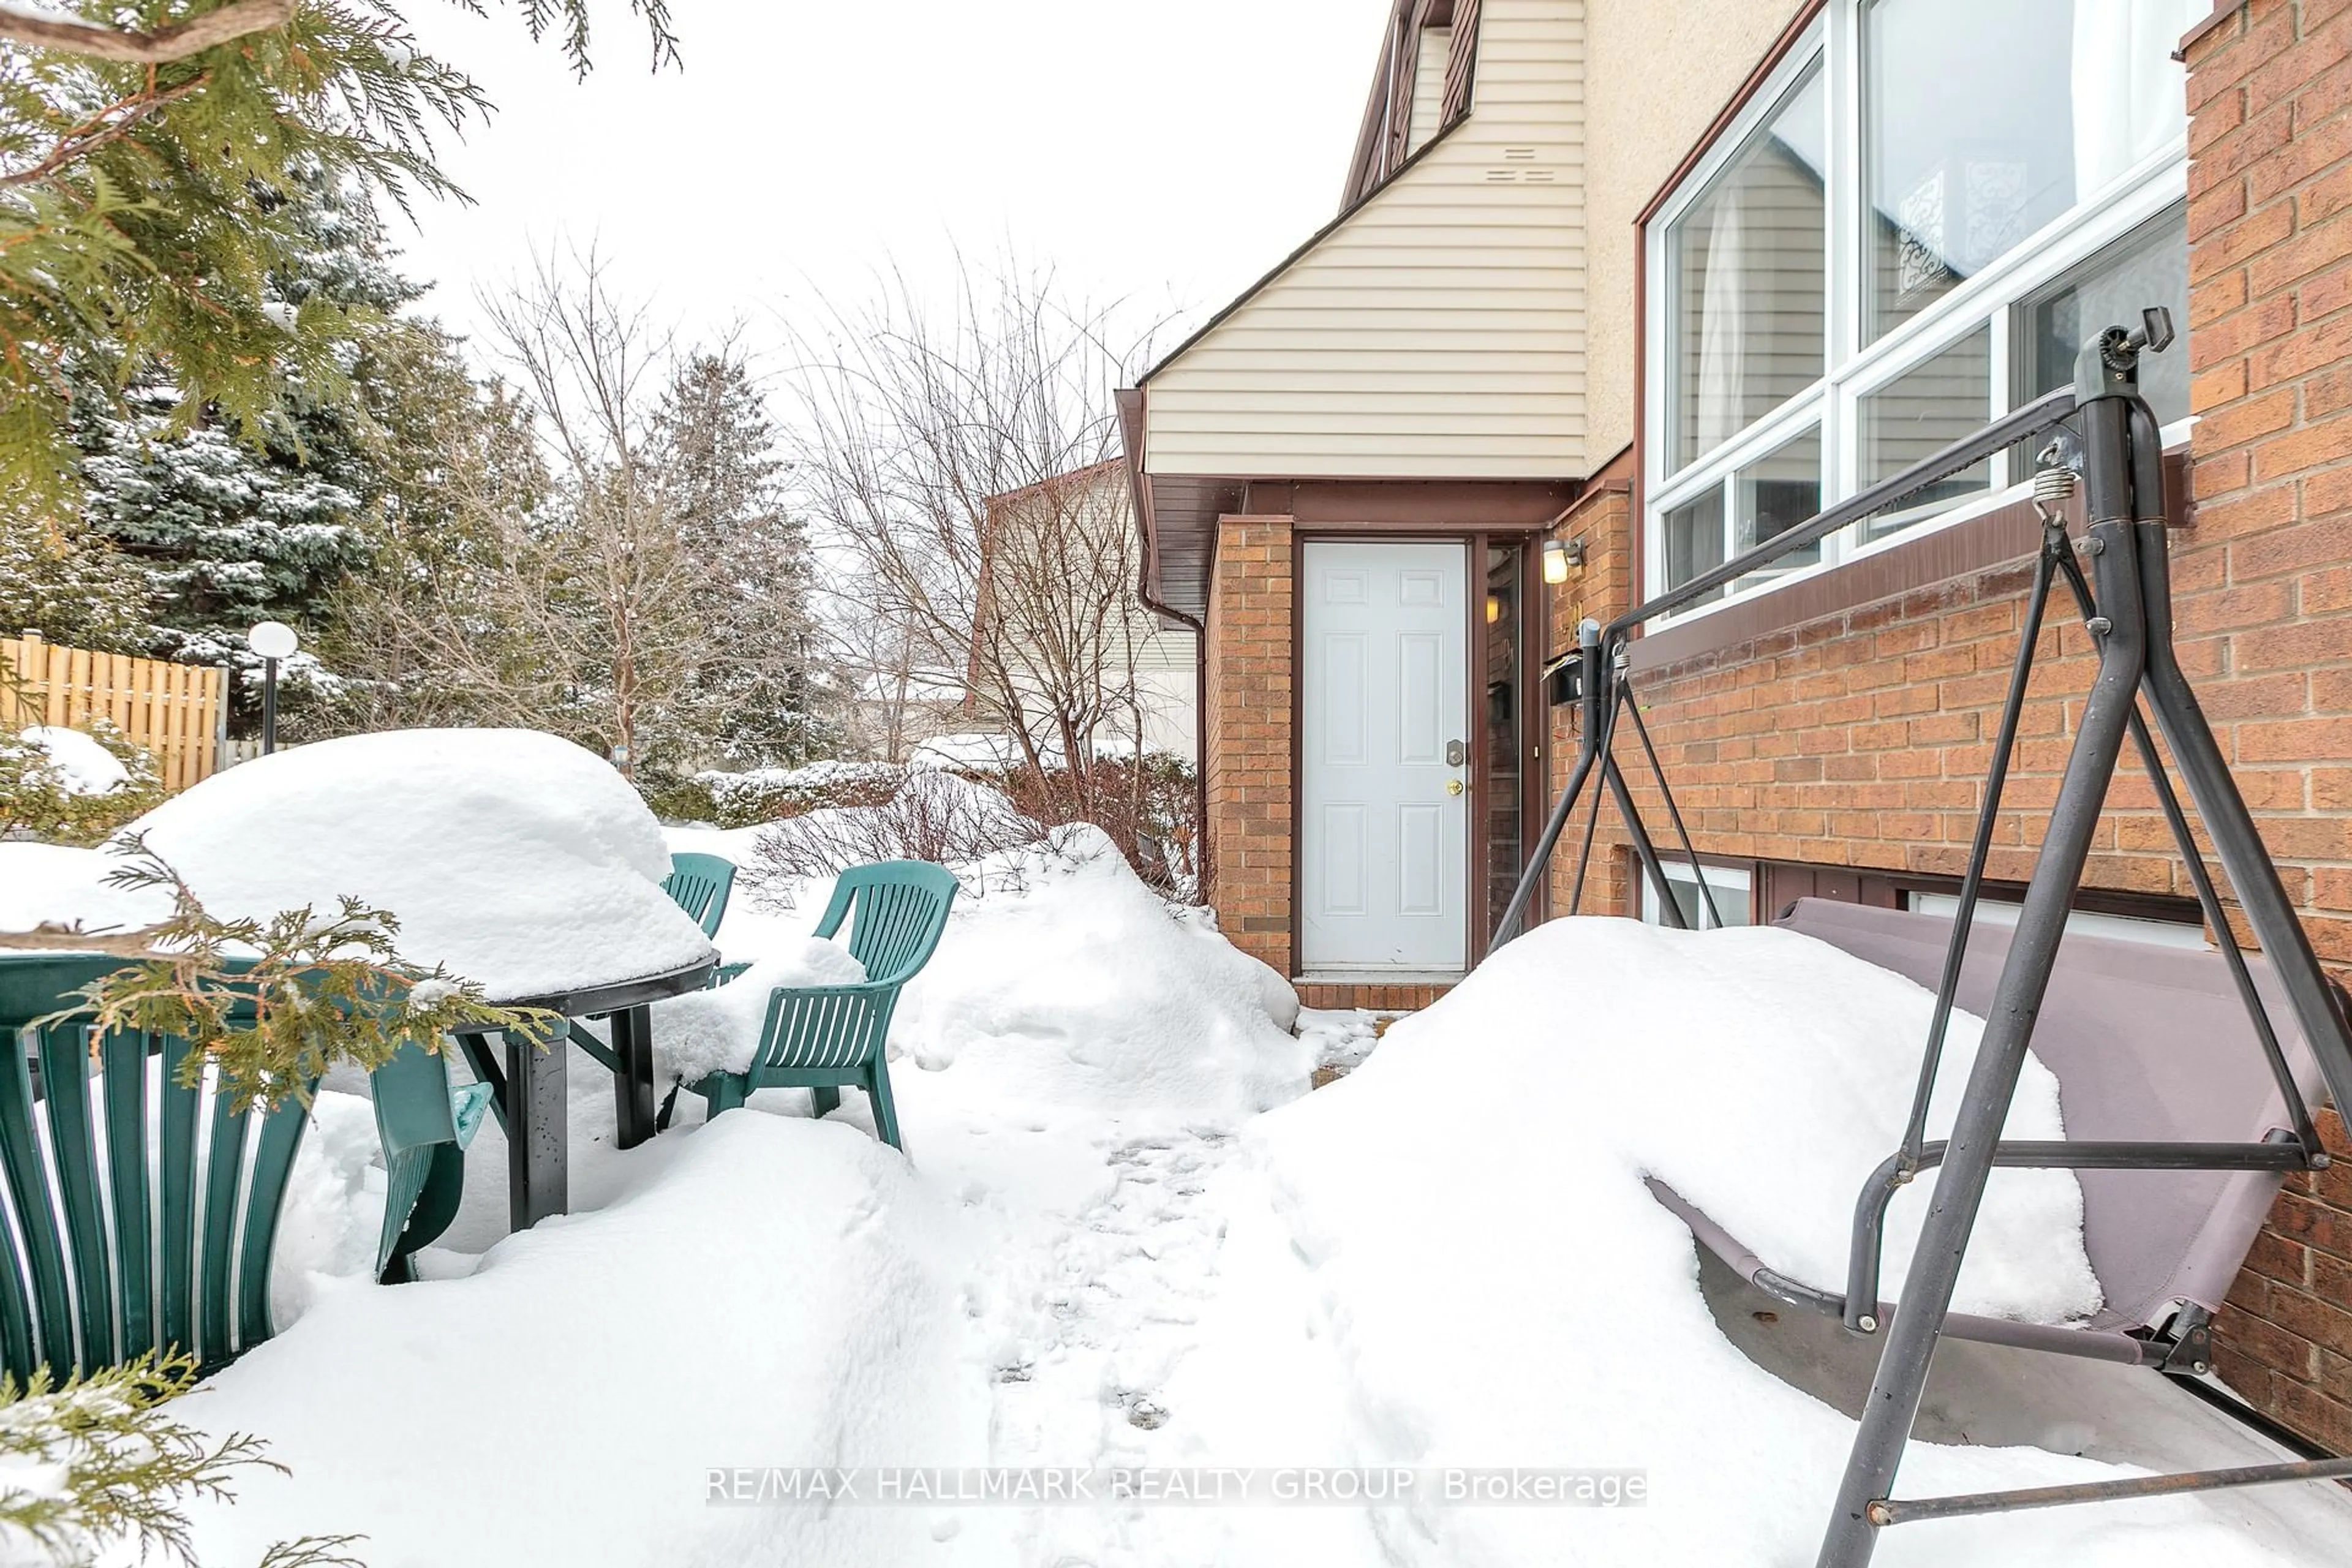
(718, 1030)
(1085, 988)
(517, 858)
(82, 766)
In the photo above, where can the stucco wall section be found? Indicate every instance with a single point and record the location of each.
(1656, 74)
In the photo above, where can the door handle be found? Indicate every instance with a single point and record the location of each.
(1453, 786)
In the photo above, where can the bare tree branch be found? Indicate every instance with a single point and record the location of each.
(163, 45)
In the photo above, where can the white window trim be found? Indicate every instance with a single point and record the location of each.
(2141, 194)
(1731, 885)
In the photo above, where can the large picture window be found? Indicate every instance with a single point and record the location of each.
(1746, 262)
(1907, 232)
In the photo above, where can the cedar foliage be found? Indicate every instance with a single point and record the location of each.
(99, 1460)
(145, 207)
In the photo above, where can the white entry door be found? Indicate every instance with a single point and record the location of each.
(1384, 759)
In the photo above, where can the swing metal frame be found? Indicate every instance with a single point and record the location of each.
(2125, 601)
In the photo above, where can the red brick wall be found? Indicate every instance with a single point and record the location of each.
(2270, 225)
(1248, 647)
(1602, 588)
(2285, 1338)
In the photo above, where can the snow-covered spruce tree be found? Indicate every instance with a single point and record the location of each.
(761, 698)
(144, 146)
(231, 530)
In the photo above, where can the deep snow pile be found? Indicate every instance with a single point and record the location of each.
(1082, 988)
(516, 858)
(1454, 1260)
(766, 1291)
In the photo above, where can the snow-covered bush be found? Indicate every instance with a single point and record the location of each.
(74, 786)
(932, 809)
(1148, 809)
(930, 816)
(770, 795)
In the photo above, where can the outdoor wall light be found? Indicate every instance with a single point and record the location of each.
(1494, 609)
(1558, 555)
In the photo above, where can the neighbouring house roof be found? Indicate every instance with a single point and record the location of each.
(1432, 331)
(1097, 490)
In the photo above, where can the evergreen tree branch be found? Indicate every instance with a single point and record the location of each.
(115, 119)
(159, 46)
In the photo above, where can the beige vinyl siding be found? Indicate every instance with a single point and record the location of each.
(1440, 331)
(1428, 86)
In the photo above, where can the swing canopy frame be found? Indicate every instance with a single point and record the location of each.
(2187, 1093)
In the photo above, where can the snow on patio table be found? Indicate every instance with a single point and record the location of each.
(1107, 1249)
(518, 859)
(58, 884)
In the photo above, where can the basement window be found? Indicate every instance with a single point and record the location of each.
(1728, 884)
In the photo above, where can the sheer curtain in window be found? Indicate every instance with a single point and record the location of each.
(1721, 392)
(2128, 87)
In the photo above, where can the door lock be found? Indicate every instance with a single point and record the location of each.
(1453, 786)
(1455, 753)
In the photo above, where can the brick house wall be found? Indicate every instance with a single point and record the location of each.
(1860, 736)
(1249, 739)
(1601, 588)
(2270, 222)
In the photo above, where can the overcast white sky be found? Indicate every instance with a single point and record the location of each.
(1166, 151)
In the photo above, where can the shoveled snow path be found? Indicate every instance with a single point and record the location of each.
(1099, 1321)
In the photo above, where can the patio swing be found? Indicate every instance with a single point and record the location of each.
(2186, 1104)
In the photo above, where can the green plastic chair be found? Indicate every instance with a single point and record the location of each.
(185, 1262)
(699, 884)
(104, 1258)
(822, 1037)
(424, 1124)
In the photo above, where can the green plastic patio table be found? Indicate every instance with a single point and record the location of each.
(531, 1082)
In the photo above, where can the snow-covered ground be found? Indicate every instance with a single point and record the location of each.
(1125, 1235)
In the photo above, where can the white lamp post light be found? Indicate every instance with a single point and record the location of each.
(273, 640)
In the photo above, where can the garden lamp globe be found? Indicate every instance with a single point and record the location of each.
(273, 640)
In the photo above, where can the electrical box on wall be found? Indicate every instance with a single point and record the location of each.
(1564, 681)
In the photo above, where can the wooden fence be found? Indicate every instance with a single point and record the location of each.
(173, 711)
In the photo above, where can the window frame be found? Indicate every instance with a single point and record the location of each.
(1732, 885)
(1853, 369)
